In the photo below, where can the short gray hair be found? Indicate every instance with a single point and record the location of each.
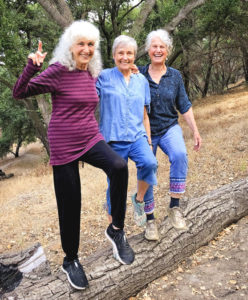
(164, 37)
(77, 30)
(124, 40)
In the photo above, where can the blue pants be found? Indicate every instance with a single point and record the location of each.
(146, 163)
(172, 144)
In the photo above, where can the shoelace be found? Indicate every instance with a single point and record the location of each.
(121, 238)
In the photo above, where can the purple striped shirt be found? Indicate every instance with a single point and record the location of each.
(73, 129)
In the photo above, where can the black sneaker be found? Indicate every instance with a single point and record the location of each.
(75, 274)
(121, 249)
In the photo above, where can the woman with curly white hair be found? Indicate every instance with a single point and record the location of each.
(74, 136)
(168, 96)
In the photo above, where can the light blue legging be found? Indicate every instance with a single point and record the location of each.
(172, 144)
(146, 163)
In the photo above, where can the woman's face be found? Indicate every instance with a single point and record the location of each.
(158, 51)
(124, 57)
(82, 52)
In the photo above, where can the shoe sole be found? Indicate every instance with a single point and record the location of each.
(71, 283)
(151, 239)
(115, 251)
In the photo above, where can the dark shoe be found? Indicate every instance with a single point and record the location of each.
(121, 249)
(75, 274)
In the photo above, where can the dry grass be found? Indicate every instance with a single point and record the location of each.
(28, 205)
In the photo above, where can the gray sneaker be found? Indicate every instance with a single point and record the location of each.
(138, 211)
(176, 218)
(151, 232)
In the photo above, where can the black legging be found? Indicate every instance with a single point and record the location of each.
(68, 192)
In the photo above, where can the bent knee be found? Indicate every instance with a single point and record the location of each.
(150, 163)
(120, 165)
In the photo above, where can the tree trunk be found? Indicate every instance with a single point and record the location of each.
(18, 146)
(245, 61)
(41, 129)
(59, 11)
(141, 18)
(44, 108)
(108, 279)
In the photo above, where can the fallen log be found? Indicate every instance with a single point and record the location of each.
(206, 216)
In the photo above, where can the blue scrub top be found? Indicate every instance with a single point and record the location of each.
(122, 105)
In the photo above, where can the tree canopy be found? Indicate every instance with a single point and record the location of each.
(210, 38)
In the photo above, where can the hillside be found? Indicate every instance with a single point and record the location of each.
(28, 205)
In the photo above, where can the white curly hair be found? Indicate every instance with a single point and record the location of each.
(164, 37)
(78, 29)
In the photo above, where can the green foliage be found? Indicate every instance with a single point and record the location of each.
(22, 24)
(15, 125)
(210, 42)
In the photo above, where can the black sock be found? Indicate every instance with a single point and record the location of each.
(137, 201)
(150, 217)
(70, 258)
(174, 202)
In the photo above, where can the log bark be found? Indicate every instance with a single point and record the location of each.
(108, 279)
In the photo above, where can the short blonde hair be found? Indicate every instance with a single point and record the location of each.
(77, 30)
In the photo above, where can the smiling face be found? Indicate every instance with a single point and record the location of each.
(124, 57)
(158, 51)
(82, 52)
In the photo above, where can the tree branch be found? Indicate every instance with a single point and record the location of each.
(183, 13)
(53, 11)
(143, 15)
(170, 27)
(127, 12)
(64, 10)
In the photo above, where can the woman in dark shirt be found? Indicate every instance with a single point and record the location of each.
(168, 96)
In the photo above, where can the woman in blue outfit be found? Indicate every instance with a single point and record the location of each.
(168, 96)
(124, 123)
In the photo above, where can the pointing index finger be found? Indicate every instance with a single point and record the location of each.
(40, 46)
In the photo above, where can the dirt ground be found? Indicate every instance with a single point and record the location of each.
(218, 270)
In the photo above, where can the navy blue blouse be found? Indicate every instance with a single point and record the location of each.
(166, 98)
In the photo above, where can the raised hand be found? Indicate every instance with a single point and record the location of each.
(38, 57)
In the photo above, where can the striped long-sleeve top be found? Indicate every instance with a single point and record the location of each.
(73, 129)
